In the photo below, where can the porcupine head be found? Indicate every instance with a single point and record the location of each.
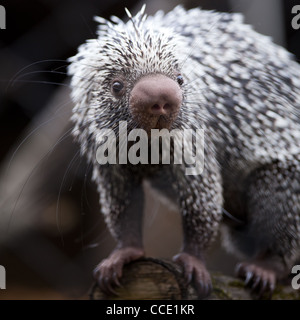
(115, 79)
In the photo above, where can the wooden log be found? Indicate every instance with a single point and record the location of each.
(153, 279)
(149, 278)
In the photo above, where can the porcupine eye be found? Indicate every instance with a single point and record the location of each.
(117, 88)
(180, 80)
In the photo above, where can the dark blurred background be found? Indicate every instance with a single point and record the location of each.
(51, 232)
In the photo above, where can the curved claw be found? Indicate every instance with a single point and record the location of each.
(260, 279)
(102, 286)
(237, 269)
(109, 286)
(109, 271)
(255, 284)
(188, 276)
(116, 280)
(194, 271)
(272, 287)
(206, 290)
(263, 288)
(249, 276)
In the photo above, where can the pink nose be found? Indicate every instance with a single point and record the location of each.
(156, 95)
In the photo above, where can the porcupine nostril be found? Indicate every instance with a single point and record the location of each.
(161, 108)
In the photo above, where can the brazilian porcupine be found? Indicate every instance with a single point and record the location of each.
(197, 69)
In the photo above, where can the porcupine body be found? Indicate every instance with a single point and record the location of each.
(234, 83)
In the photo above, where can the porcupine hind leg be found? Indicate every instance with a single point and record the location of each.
(121, 199)
(273, 225)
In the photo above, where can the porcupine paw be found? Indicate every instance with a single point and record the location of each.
(259, 278)
(109, 271)
(195, 272)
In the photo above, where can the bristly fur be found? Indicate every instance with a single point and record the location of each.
(239, 86)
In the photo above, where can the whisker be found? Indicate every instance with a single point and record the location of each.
(34, 131)
(58, 222)
(30, 65)
(51, 72)
(84, 196)
(61, 139)
(47, 82)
